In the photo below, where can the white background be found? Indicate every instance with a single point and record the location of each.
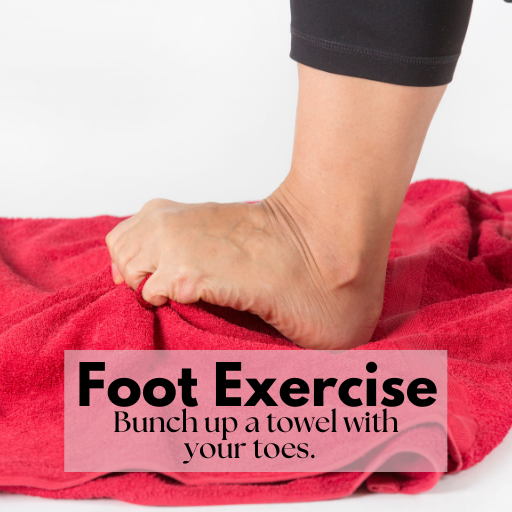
(105, 104)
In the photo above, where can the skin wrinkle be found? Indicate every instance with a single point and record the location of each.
(295, 236)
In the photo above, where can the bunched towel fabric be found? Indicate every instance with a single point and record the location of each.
(448, 287)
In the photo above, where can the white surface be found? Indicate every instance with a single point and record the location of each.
(105, 104)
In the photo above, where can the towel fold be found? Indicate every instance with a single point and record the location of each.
(448, 287)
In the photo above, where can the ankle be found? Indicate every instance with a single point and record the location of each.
(343, 248)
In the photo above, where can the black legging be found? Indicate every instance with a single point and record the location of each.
(405, 42)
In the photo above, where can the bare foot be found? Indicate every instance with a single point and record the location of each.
(311, 258)
(272, 258)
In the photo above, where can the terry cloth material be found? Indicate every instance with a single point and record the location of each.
(448, 288)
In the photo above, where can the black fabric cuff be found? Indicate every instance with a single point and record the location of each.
(344, 59)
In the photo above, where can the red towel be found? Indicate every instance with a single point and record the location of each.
(448, 288)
